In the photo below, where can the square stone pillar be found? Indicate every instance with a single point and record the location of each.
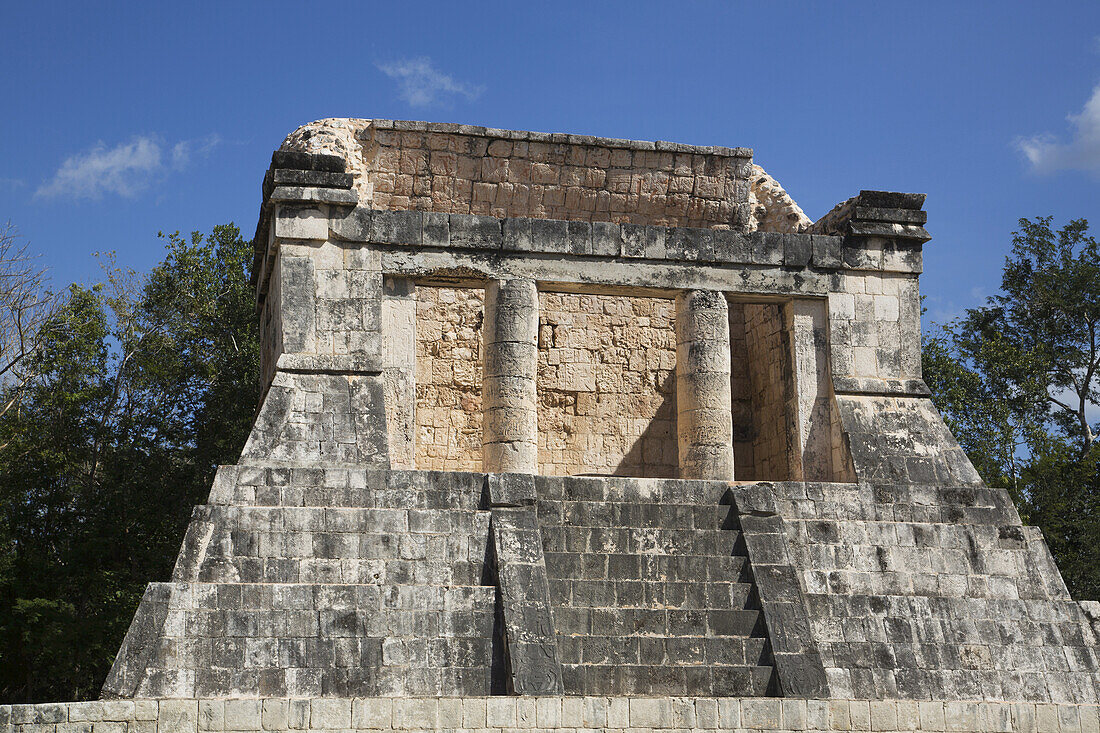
(509, 398)
(704, 404)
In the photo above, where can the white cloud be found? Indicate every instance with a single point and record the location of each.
(126, 169)
(185, 150)
(421, 84)
(1048, 154)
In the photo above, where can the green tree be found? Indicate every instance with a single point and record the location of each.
(145, 385)
(1017, 379)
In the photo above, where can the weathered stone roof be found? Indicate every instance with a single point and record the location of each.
(644, 181)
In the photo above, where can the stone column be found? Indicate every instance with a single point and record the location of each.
(510, 427)
(704, 409)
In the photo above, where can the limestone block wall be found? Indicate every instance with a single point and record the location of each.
(548, 713)
(464, 169)
(922, 591)
(768, 352)
(868, 315)
(744, 429)
(332, 249)
(606, 385)
(448, 378)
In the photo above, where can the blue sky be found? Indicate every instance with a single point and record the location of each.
(128, 118)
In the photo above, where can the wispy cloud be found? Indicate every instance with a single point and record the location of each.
(12, 183)
(421, 84)
(126, 170)
(1047, 153)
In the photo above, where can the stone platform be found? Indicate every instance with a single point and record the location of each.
(563, 432)
(565, 714)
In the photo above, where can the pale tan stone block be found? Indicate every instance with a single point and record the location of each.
(525, 712)
(274, 715)
(246, 715)
(931, 714)
(211, 715)
(618, 713)
(729, 713)
(178, 716)
(145, 710)
(500, 712)
(859, 712)
(572, 712)
(415, 713)
(650, 712)
(548, 712)
(884, 715)
(595, 712)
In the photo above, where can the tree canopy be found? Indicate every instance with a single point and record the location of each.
(1018, 381)
(142, 386)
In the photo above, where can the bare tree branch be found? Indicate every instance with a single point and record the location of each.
(26, 305)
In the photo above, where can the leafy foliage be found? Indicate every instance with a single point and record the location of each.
(145, 385)
(1017, 380)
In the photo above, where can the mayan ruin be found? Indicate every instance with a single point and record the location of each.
(561, 433)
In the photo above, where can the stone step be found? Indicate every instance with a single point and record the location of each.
(573, 620)
(653, 594)
(631, 491)
(620, 514)
(336, 519)
(641, 541)
(351, 668)
(398, 545)
(249, 639)
(326, 597)
(336, 571)
(214, 625)
(666, 568)
(305, 545)
(349, 487)
(632, 650)
(665, 679)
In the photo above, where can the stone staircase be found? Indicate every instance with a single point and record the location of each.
(333, 582)
(651, 589)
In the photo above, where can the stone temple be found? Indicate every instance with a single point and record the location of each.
(564, 432)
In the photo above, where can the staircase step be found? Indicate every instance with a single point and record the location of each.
(348, 519)
(595, 649)
(666, 679)
(625, 566)
(653, 594)
(619, 514)
(350, 487)
(640, 540)
(337, 571)
(663, 622)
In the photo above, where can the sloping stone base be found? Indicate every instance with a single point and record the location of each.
(485, 714)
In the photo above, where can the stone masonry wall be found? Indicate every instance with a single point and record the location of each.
(922, 591)
(448, 378)
(606, 386)
(744, 429)
(769, 372)
(640, 714)
(462, 169)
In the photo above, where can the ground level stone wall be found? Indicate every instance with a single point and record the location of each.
(546, 713)
(606, 386)
(448, 378)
